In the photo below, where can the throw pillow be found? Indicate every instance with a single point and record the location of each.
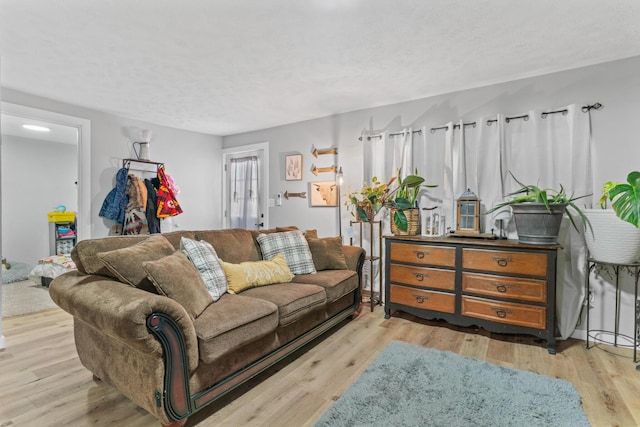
(327, 253)
(177, 278)
(249, 274)
(125, 264)
(206, 260)
(294, 247)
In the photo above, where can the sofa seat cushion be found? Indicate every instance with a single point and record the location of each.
(337, 283)
(293, 300)
(232, 322)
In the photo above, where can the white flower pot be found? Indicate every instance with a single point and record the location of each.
(610, 239)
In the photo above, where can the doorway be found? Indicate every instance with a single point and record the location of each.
(42, 169)
(245, 185)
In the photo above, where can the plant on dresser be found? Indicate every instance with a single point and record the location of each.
(405, 214)
(500, 285)
(538, 212)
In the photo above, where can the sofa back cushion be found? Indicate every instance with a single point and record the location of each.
(84, 253)
(233, 245)
(125, 264)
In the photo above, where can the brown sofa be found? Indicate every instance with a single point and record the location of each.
(168, 361)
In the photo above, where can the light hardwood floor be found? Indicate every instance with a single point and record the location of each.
(42, 382)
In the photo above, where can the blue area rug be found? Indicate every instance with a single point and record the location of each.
(409, 385)
(18, 271)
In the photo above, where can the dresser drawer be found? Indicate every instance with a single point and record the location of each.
(418, 298)
(505, 287)
(423, 254)
(504, 312)
(526, 263)
(423, 277)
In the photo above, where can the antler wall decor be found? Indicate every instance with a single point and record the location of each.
(320, 151)
(302, 195)
(316, 170)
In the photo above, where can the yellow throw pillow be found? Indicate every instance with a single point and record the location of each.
(247, 275)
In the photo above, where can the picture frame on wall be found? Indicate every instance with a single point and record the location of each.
(323, 194)
(293, 167)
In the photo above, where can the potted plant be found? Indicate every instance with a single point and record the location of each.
(366, 203)
(405, 215)
(538, 212)
(614, 233)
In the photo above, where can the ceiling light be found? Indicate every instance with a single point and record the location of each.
(36, 128)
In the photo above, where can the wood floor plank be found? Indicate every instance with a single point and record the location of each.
(42, 382)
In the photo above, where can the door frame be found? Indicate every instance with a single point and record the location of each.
(233, 151)
(84, 156)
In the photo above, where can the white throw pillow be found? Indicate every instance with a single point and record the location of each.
(205, 258)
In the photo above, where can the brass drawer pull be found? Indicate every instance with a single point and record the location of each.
(502, 262)
(419, 298)
(420, 276)
(501, 312)
(420, 254)
(502, 287)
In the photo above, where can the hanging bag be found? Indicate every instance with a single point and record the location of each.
(167, 203)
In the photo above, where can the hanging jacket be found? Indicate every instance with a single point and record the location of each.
(167, 203)
(116, 201)
(152, 206)
(135, 219)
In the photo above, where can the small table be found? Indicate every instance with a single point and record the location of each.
(634, 269)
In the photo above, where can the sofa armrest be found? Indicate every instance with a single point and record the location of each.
(120, 311)
(353, 254)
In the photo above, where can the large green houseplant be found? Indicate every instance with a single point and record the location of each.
(614, 233)
(402, 202)
(538, 212)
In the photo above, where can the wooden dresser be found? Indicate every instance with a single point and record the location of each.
(500, 285)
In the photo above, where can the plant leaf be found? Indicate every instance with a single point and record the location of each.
(625, 199)
(400, 219)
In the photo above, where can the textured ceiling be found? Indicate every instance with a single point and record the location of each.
(224, 67)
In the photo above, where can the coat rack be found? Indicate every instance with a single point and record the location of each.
(126, 163)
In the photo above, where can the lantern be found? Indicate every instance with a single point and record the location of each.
(468, 215)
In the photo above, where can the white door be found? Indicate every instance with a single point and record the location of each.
(245, 187)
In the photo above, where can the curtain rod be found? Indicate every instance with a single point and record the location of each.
(525, 117)
(391, 134)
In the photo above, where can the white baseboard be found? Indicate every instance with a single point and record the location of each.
(3, 342)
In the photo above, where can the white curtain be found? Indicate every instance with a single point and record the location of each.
(243, 192)
(483, 166)
(552, 151)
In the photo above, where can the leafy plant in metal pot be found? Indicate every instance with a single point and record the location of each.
(530, 202)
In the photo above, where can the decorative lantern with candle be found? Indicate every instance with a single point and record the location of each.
(468, 214)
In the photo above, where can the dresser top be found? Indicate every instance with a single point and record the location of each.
(500, 243)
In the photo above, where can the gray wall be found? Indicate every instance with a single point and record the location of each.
(39, 175)
(192, 159)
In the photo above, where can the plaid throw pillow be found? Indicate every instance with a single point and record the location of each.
(291, 244)
(205, 258)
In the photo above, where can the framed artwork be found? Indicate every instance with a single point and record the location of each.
(293, 167)
(323, 193)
